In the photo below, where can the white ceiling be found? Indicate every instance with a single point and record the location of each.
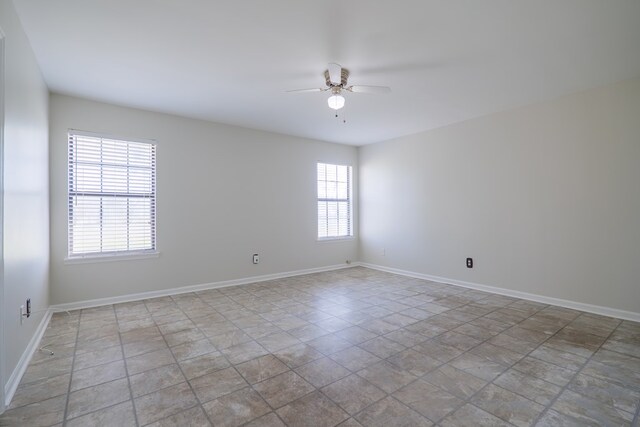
(231, 61)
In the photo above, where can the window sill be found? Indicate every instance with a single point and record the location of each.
(335, 239)
(89, 259)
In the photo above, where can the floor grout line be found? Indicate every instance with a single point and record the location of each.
(126, 369)
(566, 386)
(73, 362)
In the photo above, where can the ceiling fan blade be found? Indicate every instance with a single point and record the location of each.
(335, 73)
(307, 90)
(369, 89)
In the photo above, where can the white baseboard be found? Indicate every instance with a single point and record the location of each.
(590, 308)
(186, 289)
(11, 385)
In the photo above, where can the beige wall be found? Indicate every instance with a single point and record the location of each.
(223, 193)
(26, 191)
(545, 198)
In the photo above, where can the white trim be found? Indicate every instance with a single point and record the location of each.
(590, 308)
(127, 256)
(2, 299)
(193, 288)
(335, 239)
(110, 136)
(16, 375)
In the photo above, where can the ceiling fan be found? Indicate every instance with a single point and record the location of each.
(336, 79)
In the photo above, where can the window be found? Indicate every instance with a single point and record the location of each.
(334, 201)
(112, 196)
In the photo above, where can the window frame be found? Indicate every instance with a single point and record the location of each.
(114, 255)
(349, 200)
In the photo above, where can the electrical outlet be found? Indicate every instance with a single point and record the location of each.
(23, 313)
(256, 258)
(469, 262)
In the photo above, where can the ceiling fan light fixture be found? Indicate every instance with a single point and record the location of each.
(336, 102)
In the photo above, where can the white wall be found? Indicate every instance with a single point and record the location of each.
(26, 190)
(223, 193)
(545, 198)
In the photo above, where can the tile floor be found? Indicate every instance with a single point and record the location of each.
(350, 347)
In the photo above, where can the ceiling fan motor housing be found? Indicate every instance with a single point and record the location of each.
(344, 75)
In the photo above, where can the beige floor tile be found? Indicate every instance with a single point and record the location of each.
(283, 388)
(617, 359)
(277, 341)
(507, 406)
(380, 327)
(262, 330)
(353, 393)
(244, 352)
(430, 401)
(47, 369)
(155, 379)
(351, 422)
(192, 349)
(41, 390)
(625, 345)
(229, 339)
(308, 332)
(269, 420)
(470, 415)
(532, 388)
(387, 376)
(97, 375)
(94, 358)
(314, 406)
(382, 347)
(496, 354)
(120, 415)
(479, 366)
(443, 353)
(261, 368)
(357, 334)
(59, 349)
(354, 358)
(607, 393)
(414, 362)
(406, 338)
(194, 417)
(455, 381)
(147, 361)
(460, 341)
(45, 413)
(514, 344)
(237, 408)
(182, 337)
(217, 384)
(389, 412)
(297, 355)
(164, 403)
(553, 418)
(322, 372)
(203, 365)
(329, 344)
(97, 397)
(141, 334)
(589, 411)
(140, 347)
(544, 370)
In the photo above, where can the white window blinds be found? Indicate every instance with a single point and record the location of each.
(112, 196)
(334, 201)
